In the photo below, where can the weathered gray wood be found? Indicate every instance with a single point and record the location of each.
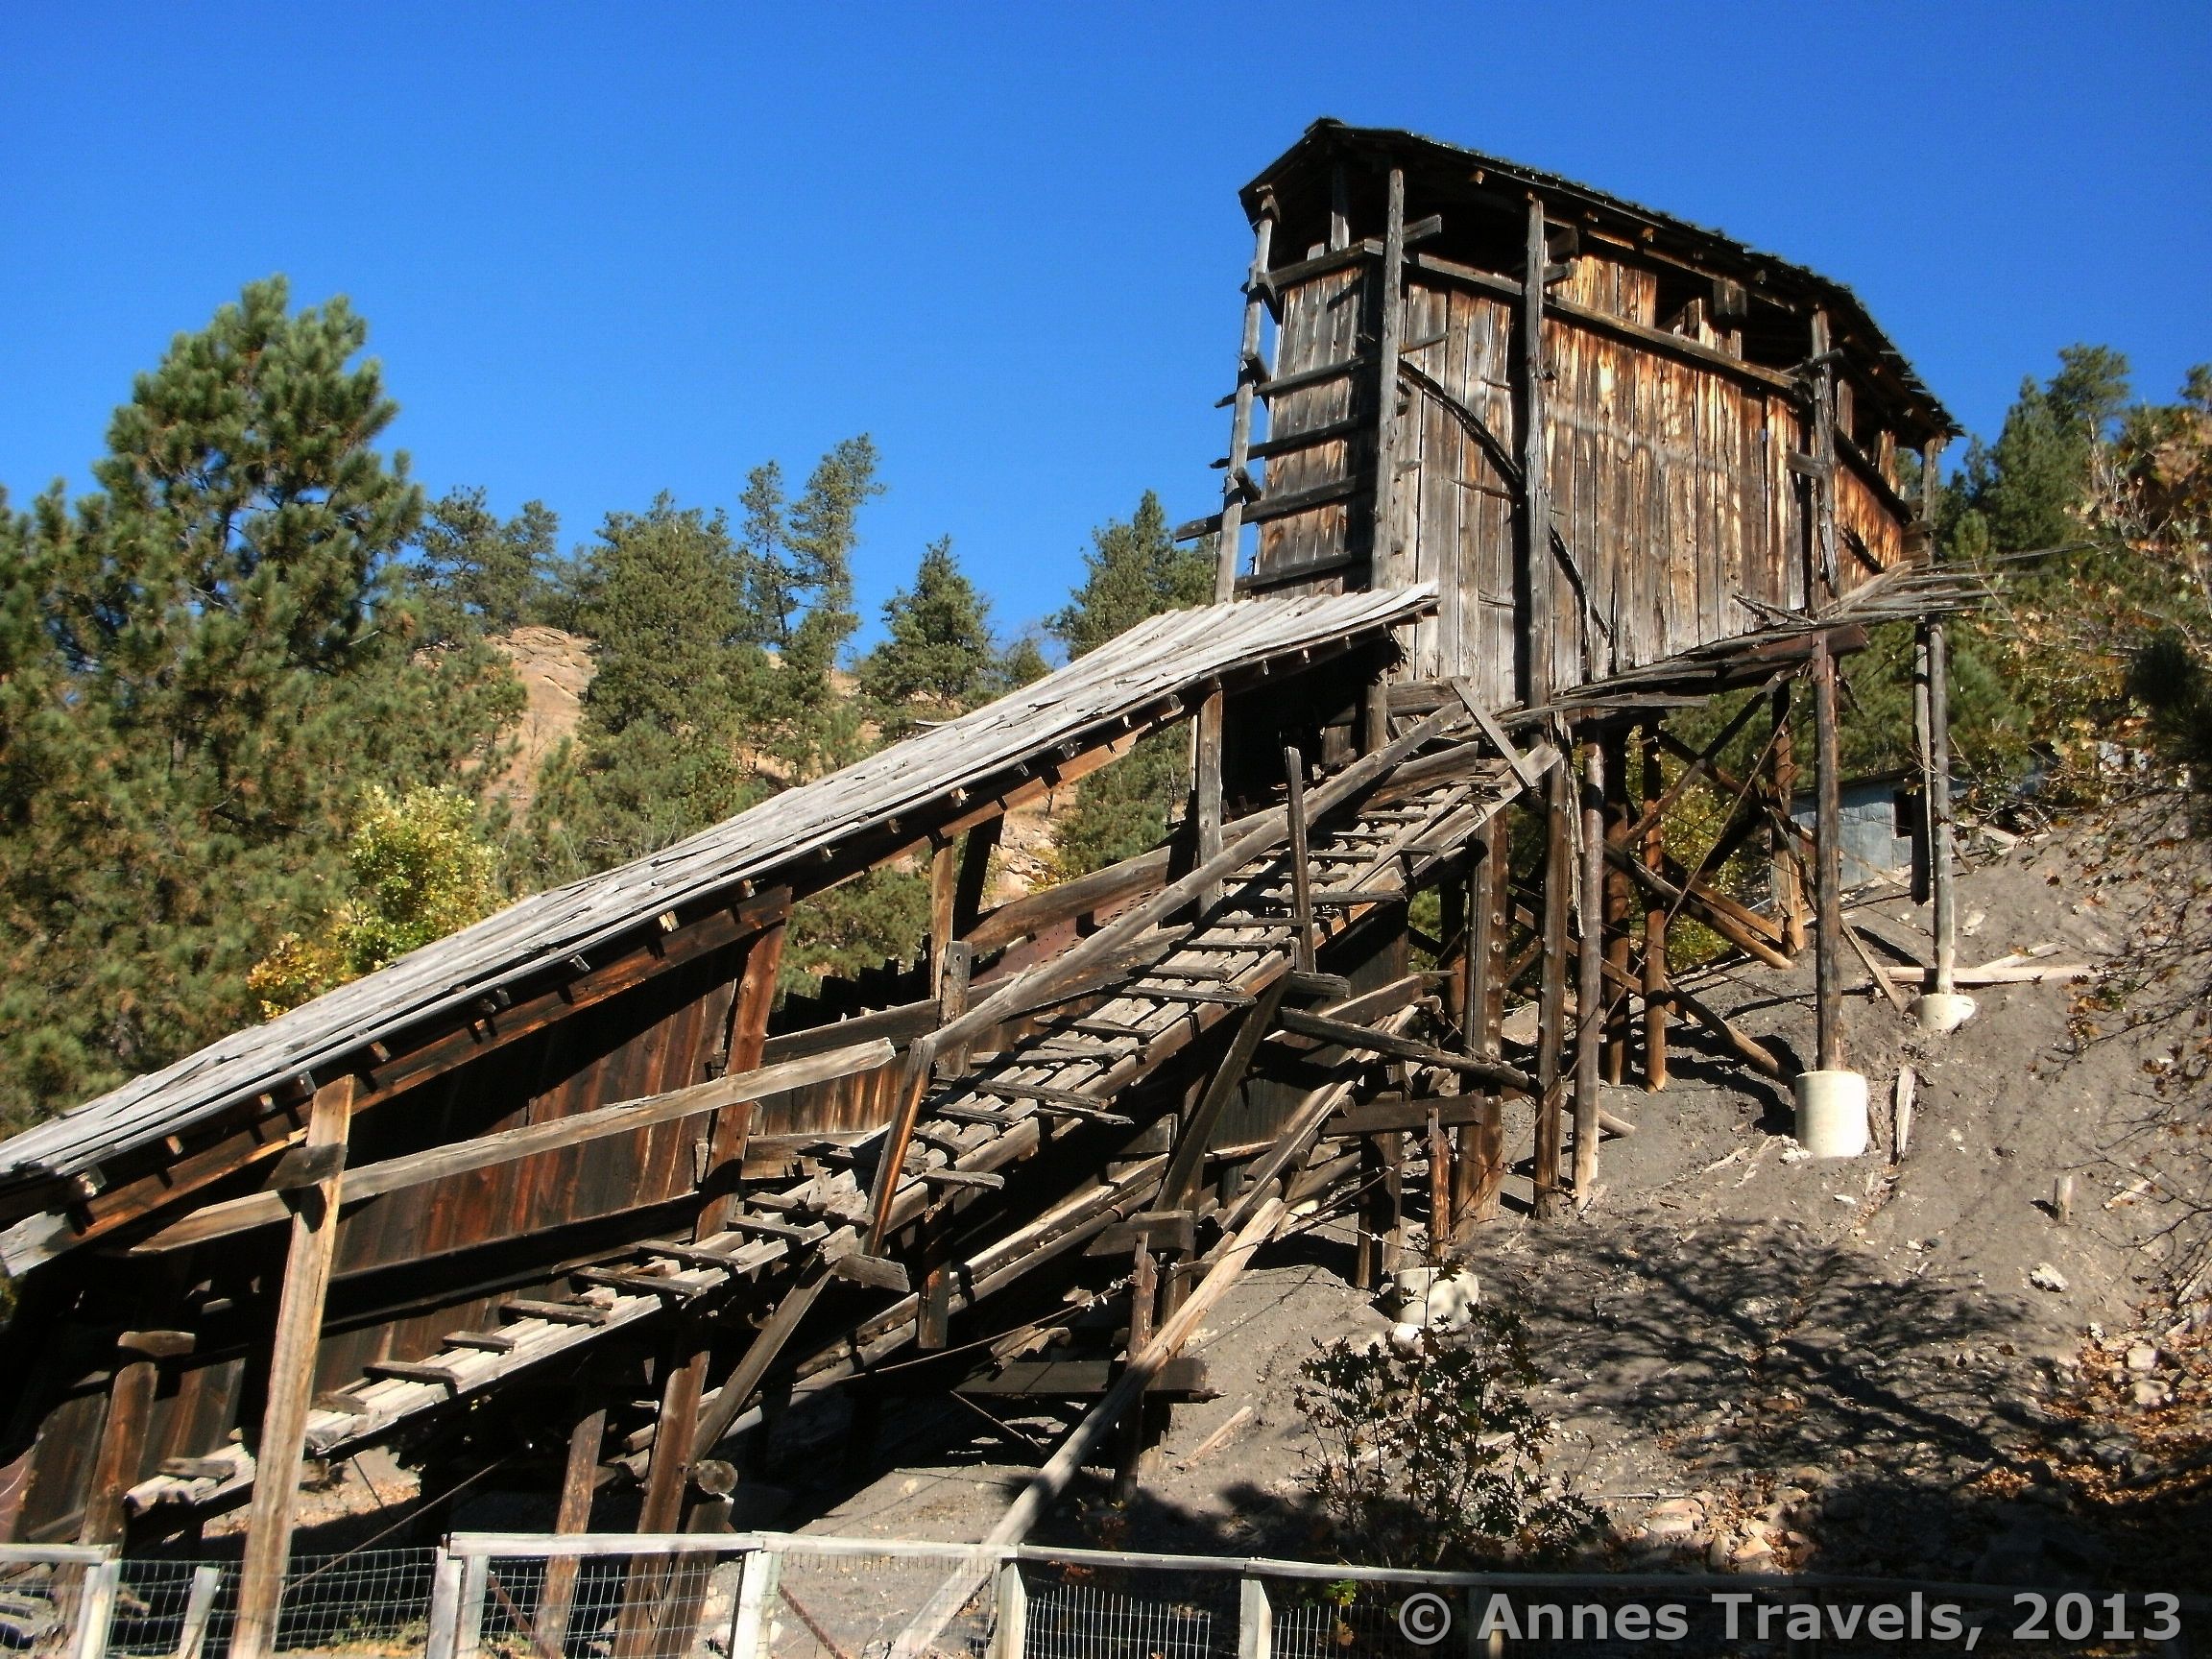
(1179, 1187)
(370, 1180)
(281, 1452)
(1551, 995)
(1942, 821)
(1533, 542)
(1301, 866)
(1371, 1040)
(1388, 556)
(1828, 867)
(1590, 984)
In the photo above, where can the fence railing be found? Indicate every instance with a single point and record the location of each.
(781, 1596)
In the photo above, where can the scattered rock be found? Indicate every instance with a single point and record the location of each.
(2142, 1358)
(2153, 1391)
(2046, 1277)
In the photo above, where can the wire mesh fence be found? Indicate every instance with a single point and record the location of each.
(369, 1602)
(820, 1604)
(640, 1603)
(1080, 1610)
(779, 1597)
(43, 1602)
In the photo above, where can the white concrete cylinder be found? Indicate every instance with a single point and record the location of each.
(1832, 1112)
(1943, 1012)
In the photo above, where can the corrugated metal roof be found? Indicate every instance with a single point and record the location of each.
(1563, 192)
(1166, 654)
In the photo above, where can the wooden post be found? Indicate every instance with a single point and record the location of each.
(1788, 890)
(1301, 870)
(1205, 788)
(122, 1436)
(1827, 865)
(1535, 538)
(281, 1449)
(1481, 1162)
(579, 1477)
(684, 1363)
(944, 893)
(1551, 995)
(1936, 750)
(967, 892)
(1384, 554)
(1618, 947)
(1655, 978)
(1824, 459)
(1143, 1298)
(1440, 1186)
(1367, 1216)
(1590, 961)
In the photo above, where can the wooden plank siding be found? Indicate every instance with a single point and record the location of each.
(1671, 483)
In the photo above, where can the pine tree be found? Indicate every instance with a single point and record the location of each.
(1134, 570)
(937, 655)
(489, 572)
(240, 664)
(657, 756)
(811, 727)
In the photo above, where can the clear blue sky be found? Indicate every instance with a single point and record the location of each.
(610, 249)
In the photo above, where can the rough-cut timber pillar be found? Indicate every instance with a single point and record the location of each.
(684, 1377)
(1788, 890)
(1534, 541)
(1618, 904)
(1941, 1008)
(1655, 983)
(123, 1436)
(1827, 865)
(1389, 557)
(587, 1429)
(1480, 1167)
(1552, 993)
(281, 1450)
(1590, 1019)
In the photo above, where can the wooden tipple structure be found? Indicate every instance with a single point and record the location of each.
(1514, 470)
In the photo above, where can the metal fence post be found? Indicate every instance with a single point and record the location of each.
(756, 1584)
(1010, 1633)
(1255, 1618)
(96, 1605)
(444, 1606)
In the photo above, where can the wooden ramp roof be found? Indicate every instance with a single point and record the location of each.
(1158, 659)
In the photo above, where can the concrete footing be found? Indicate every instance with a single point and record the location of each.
(1832, 1112)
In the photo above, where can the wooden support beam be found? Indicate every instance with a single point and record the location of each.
(1480, 1169)
(1590, 959)
(1301, 867)
(281, 1452)
(1179, 1187)
(1934, 665)
(1369, 1040)
(1388, 558)
(1825, 567)
(1654, 853)
(1788, 889)
(975, 878)
(1828, 868)
(1710, 906)
(1618, 945)
(1551, 995)
(579, 1480)
(1206, 737)
(1143, 1304)
(122, 1446)
(1533, 539)
(1748, 1048)
(749, 1003)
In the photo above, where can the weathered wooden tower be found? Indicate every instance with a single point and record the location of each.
(1514, 470)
